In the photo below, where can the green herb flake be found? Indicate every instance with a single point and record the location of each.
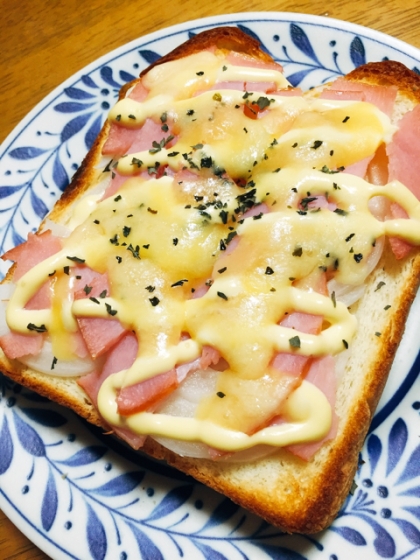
(76, 260)
(297, 252)
(379, 286)
(136, 161)
(87, 289)
(126, 231)
(317, 144)
(345, 344)
(378, 333)
(35, 328)
(179, 283)
(222, 270)
(269, 271)
(154, 301)
(54, 362)
(220, 394)
(294, 342)
(134, 251)
(110, 310)
(333, 299)
(222, 295)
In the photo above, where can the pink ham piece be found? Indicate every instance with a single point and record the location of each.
(295, 364)
(121, 357)
(238, 59)
(143, 395)
(119, 140)
(404, 163)
(16, 345)
(99, 334)
(42, 299)
(124, 140)
(263, 87)
(335, 95)
(359, 169)
(36, 249)
(139, 92)
(321, 373)
(256, 211)
(116, 182)
(383, 97)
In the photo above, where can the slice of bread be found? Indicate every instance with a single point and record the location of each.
(293, 494)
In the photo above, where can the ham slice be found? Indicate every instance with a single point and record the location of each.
(119, 140)
(322, 374)
(383, 97)
(139, 92)
(404, 163)
(143, 395)
(99, 334)
(121, 357)
(238, 59)
(125, 140)
(36, 249)
(16, 345)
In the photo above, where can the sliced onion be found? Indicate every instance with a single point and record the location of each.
(350, 294)
(58, 230)
(375, 255)
(43, 363)
(184, 402)
(345, 293)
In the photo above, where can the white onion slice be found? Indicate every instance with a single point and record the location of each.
(58, 230)
(62, 368)
(345, 293)
(350, 294)
(183, 403)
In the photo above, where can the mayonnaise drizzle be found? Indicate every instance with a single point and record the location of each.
(289, 153)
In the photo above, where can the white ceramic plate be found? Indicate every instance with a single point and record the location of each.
(79, 494)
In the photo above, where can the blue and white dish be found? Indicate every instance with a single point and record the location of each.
(79, 494)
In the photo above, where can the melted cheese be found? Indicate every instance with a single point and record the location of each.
(161, 239)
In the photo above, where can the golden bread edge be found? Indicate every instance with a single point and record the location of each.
(284, 490)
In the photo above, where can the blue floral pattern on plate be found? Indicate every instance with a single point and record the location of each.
(80, 494)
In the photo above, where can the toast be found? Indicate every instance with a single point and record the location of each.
(294, 491)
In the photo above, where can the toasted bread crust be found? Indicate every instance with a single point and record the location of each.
(294, 495)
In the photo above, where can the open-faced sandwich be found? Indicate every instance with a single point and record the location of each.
(225, 281)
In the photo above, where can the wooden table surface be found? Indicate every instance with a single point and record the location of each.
(43, 43)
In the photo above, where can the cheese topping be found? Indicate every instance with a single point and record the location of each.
(164, 239)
